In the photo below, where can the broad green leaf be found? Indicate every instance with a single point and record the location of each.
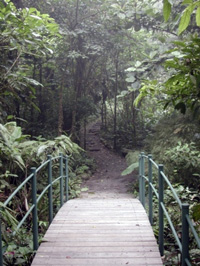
(36, 17)
(130, 79)
(30, 42)
(36, 34)
(9, 117)
(138, 63)
(33, 81)
(153, 54)
(130, 69)
(177, 54)
(166, 9)
(41, 149)
(116, 6)
(19, 161)
(121, 15)
(51, 51)
(193, 79)
(185, 2)
(185, 19)
(179, 43)
(32, 9)
(130, 169)
(198, 16)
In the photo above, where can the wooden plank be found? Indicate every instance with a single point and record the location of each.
(99, 232)
(49, 247)
(107, 232)
(96, 255)
(94, 262)
(115, 244)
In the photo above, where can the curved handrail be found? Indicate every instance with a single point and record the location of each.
(154, 163)
(186, 221)
(17, 190)
(172, 189)
(29, 177)
(35, 199)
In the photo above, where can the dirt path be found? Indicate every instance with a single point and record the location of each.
(107, 181)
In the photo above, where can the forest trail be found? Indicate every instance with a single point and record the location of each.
(107, 181)
(106, 225)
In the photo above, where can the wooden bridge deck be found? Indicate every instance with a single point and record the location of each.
(99, 232)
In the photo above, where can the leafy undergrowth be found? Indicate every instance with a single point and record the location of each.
(18, 153)
(172, 254)
(175, 142)
(187, 195)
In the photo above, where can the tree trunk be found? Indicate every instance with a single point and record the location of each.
(105, 116)
(115, 105)
(133, 117)
(41, 116)
(85, 134)
(78, 87)
(102, 114)
(60, 112)
(34, 74)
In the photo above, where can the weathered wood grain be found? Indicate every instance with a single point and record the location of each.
(99, 232)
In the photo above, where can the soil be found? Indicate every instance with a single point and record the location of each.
(107, 181)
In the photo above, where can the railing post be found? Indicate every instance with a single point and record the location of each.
(50, 189)
(1, 246)
(161, 215)
(150, 190)
(34, 202)
(142, 179)
(66, 180)
(61, 179)
(185, 234)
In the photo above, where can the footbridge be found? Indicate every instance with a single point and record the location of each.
(108, 230)
(99, 232)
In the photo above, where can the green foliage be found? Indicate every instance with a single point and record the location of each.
(148, 88)
(130, 169)
(26, 34)
(186, 195)
(185, 158)
(166, 9)
(180, 152)
(132, 159)
(185, 18)
(182, 88)
(74, 186)
(18, 248)
(10, 137)
(186, 14)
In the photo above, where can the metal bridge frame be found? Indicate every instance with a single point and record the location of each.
(63, 176)
(184, 207)
(63, 171)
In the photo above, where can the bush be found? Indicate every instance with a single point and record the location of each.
(174, 142)
(185, 159)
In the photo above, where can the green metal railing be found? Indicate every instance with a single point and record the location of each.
(63, 176)
(186, 222)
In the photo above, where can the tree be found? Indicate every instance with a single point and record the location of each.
(26, 35)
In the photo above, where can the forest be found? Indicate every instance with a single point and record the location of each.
(134, 64)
